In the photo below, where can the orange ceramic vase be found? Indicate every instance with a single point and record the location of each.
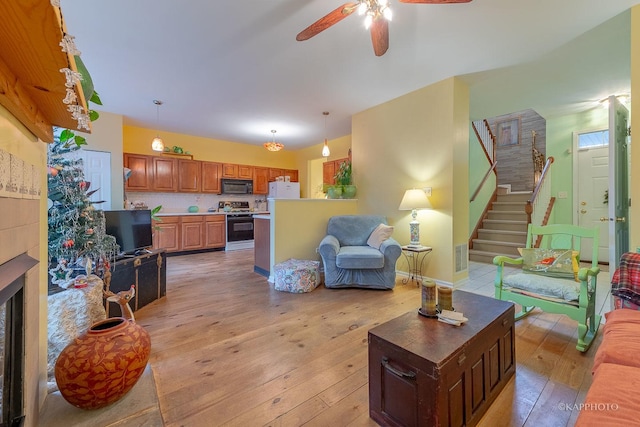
(101, 366)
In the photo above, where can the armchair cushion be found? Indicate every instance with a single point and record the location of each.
(551, 262)
(359, 257)
(379, 235)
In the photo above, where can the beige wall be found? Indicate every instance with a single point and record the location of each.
(17, 140)
(106, 135)
(634, 237)
(414, 141)
(298, 226)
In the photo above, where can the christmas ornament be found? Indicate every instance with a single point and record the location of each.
(60, 274)
(89, 231)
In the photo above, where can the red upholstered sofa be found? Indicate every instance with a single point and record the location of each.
(614, 398)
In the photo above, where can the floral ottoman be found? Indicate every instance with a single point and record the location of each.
(297, 275)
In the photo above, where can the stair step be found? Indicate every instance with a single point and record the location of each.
(512, 197)
(507, 215)
(504, 248)
(507, 225)
(503, 235)
(483, 256)
(509, 206)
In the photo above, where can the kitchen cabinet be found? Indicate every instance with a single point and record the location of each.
(232, 170)
(215, 235)
(274, 173)
(189, 174)
(260, 180)
(291, 173)
(210, 181)
(165, 174)
(141, 178)
(166, 233)
(192, 232)
(330, 168)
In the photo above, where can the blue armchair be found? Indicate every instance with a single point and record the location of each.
(350, 262)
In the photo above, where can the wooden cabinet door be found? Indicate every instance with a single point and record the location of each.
(291, 173)
(215, 231)
(189, 172)
(192, 232)
(245, 172)
(229, 170)
(260, 180)
(328, 172)
(141, 177)
(211, 177)
(274, 173)
(165, 174)
(166, 233)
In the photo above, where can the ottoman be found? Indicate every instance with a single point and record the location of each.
(297, 275)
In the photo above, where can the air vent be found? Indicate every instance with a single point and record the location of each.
(462, 258)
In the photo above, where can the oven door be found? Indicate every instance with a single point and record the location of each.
(239, 227)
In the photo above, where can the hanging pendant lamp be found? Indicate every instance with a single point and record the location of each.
(325, 149)
(157, 144)
(273, 145)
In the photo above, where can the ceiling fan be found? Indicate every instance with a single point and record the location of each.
(377, 16)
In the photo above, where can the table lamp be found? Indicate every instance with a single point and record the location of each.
(413, 200)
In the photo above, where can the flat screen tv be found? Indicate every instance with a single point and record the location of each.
(131, 228)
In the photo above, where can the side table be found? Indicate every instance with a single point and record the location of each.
(415, 256)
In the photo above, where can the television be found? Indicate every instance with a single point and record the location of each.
(131, 228)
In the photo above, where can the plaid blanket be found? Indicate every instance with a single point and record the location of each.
(625, 283)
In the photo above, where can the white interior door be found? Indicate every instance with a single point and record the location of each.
(593, 181)
(97, 171)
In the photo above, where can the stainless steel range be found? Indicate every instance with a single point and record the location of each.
(239, 224)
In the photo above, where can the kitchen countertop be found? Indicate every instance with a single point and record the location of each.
(208, 213)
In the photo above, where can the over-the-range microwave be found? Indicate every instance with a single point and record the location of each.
(236, 186)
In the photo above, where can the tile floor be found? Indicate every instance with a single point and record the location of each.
(482, 276)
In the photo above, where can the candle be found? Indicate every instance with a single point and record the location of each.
(429, 297)
(444, 298)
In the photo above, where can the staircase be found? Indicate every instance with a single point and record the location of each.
(504, 229)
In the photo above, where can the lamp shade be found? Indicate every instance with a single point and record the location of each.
(414, 199)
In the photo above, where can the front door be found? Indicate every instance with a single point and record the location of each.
(618, 181)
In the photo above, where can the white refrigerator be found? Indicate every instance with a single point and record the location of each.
(284, 190)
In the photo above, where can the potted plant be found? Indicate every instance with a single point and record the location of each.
(343, 179)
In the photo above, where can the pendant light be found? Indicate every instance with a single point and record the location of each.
(157, 144)
(273, 145)
(325, 148)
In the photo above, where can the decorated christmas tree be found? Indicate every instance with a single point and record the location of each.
(76, 228)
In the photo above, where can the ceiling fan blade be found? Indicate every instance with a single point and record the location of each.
(380, 36)
(435, 1)
(326, 21)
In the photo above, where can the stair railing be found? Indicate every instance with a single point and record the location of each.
(487, 140)
(538, 207)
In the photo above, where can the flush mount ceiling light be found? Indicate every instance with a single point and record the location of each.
(157, 144)
(273, 145)
(325, 148)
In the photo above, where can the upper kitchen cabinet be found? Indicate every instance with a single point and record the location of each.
(330, 168)
(141, 176)
(292, 174)
(260, 180)
(189, 173)
(231, 170)
(274, 173)
(165, 174)
(31, 85)
(210, 181)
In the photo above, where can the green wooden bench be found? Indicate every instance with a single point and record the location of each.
(546, 281)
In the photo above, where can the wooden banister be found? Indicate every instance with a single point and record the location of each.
(486, 176)
(529, 206)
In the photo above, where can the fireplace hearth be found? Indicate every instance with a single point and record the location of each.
(12, 337)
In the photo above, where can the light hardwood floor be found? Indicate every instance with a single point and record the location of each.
(229, 350)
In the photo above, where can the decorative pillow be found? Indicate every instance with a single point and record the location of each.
(379, 235)
(562, 263)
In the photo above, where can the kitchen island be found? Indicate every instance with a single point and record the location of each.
(262, 244)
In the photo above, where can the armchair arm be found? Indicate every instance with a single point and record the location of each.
(391, 251)
(500, 261)
(329, 246)
(587, 287)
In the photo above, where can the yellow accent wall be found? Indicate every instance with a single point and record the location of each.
(418, 140)
(634, 187)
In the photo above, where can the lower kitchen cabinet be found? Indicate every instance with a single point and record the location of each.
(148, 272)
(181, 233)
